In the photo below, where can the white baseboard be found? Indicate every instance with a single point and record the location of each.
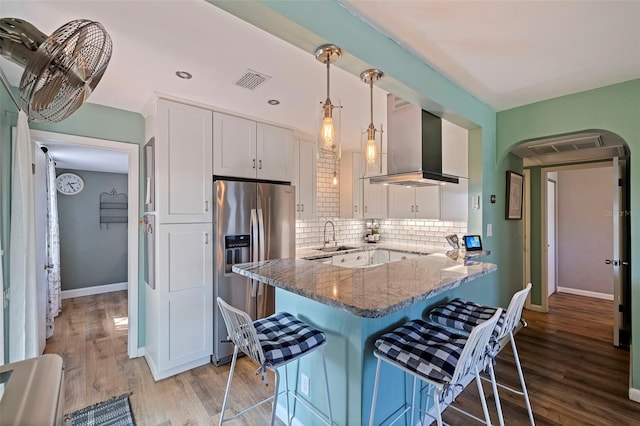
(586, 293)
(98, 289)
(634, 394)
(281, 413)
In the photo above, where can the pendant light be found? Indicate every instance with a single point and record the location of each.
(372, 148)
(329, 130)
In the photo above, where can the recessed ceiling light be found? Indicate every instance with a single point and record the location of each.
(184, 74)
(273, 102)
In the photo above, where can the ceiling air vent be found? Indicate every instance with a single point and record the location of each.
(566, 145)
(398, 103)
(252, 80)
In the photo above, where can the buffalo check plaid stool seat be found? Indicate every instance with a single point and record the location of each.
(272, 342)
(438, 356)
(463, 315)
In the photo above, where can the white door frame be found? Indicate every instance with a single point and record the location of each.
(555, 234)
(133, 185)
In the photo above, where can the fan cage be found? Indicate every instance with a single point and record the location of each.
(64, 70)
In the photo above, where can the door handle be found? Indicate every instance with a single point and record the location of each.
(254, 164)
(206, 238)
(260, 164)
(608, 261)
(302, 206)
(206, 205)
(413, 209)
(416, 208)
(612, 262)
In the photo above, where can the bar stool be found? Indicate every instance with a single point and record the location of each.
(272, 342)
(437, 356)
(464, 315)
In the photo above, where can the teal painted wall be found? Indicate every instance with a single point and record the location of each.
(89, 120)
(614, 108)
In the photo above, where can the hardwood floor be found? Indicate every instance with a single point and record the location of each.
(91, 336)
(574, 375)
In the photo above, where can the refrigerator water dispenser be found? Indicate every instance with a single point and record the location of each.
(236, 250)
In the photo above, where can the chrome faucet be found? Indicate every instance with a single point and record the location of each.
(324, 234)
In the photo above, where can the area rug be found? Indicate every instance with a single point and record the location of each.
(112, 412)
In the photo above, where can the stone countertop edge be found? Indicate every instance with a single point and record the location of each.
(315, 252)
(385, 296)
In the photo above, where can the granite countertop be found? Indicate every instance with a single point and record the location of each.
(370, 292)
(421, 249)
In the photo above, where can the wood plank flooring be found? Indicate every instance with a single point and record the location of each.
(574, 375)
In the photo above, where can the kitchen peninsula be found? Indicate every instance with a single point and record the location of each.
(354, 306)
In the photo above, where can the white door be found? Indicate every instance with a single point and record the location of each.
(40, 195)
(551, 237)
(617, 253)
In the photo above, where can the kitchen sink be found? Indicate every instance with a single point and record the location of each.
(336, 248)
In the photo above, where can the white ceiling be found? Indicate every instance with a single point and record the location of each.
(506, 53)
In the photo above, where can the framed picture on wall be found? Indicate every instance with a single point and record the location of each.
(514, 195)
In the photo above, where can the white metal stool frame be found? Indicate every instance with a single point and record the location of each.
(244, 336)
(472, 359)
(512, 316)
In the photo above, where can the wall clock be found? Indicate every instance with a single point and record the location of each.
(69, 183)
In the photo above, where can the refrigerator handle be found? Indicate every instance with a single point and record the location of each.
(262, 245)
(255, 253)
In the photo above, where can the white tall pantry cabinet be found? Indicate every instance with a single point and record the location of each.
(179, 310)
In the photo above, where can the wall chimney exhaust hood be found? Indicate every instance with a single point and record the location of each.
(414, 147)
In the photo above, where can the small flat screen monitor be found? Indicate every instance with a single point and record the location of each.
(473, 242)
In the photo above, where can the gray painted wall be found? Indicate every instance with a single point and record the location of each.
(585, 229)
(91, 254)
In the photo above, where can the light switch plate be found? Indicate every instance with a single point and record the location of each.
(489, 230)
(475, 202)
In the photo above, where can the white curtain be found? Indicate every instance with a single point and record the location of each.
(53, 248)
(23, 326)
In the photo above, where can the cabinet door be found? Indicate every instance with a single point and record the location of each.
(395, 256)
(185, 285)
(306, 182)
(455, 145)
(428, 202)
(374, 198)
(351, 260)
(234, 146)
(350, 186)
(401, 203)
(184, 163)
(274, 153)
(454, 202)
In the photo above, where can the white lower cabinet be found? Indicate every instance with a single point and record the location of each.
(352, 260)
(181, 332)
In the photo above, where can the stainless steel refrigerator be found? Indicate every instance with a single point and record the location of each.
(253, 221)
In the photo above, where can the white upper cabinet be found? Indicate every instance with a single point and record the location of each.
(455, 145)
(274, 153)
(305, 179)
(414, 203)
(184, 172)
(350, 185)
(247, 149)
(374, 200)
(234, 146)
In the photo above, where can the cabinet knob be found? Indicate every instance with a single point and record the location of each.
(359, 257)
(343, 260)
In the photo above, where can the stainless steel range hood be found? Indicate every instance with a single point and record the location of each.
(414, 146)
